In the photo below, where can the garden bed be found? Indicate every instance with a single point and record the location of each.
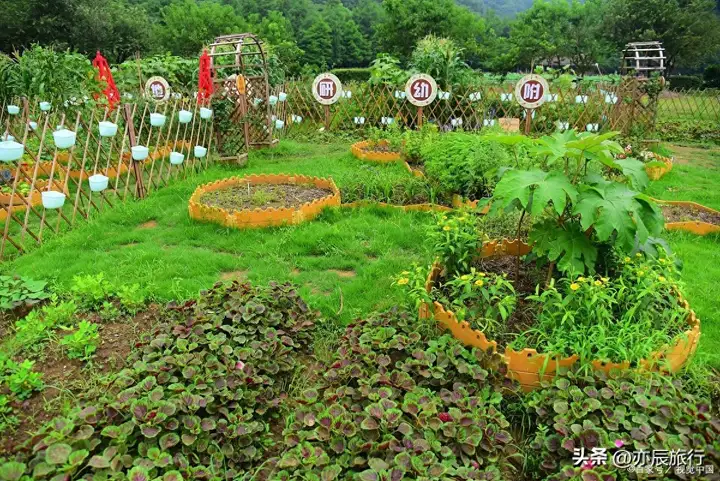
(375, 151)
(263, 200)
(527, 366)
(690, 217)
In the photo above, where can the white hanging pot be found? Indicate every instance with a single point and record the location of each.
(563, 125)
(140, 152)
(157, 120)
(611, 99)
(176, 158)
(7, 137)
(506, 97)
(52, 199)
(13, 109)
(359, 120)
(282, 96)
(272, 99)
(489, 122)
(279, 124)
(296, 119)
(98, 182)
(205, 113)
(475, 96)
(592, 127)
(107, 129)
(64, 139)
(551, 97)
(184, 116)
(45, 106)
(10, 151)
(257, 101)
(581, 99)
(33, 125)
(200, 151)
(347, 94)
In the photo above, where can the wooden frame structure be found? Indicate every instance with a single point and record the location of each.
(240, 73)
(643, 58)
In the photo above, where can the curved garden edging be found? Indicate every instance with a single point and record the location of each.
(415, 172)
(657, 172)
(251, 218)
(359, 150)
(529, 367)
(406, 208)
(693, 226)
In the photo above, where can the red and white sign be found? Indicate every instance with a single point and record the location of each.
(421, 90)
(157, 88)
(530, 91)
(327, 88)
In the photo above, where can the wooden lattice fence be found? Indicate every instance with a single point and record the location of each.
(45, 167)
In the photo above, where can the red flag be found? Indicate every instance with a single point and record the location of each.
(105, 75)
(205, 80)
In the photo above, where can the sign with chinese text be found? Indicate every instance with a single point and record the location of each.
(530, 91)
(327, 88)
(421, 90)
(157, 88)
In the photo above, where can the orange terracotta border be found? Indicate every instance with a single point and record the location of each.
(530, 368)
(415, 172)
(695, 227)
(406, 208)
(359, 150)
(245, 219)
(656, 173)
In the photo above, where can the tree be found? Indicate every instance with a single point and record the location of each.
(688, 29)
(349, 47)
(187, 26)
(369, 14)
(316, 43)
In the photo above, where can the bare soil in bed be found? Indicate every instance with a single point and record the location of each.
(263, 196)
(679, 213)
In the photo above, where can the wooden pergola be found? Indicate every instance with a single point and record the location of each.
(643, 58)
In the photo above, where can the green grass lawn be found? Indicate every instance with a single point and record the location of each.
(695, 176)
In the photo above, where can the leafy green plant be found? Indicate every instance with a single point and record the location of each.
(91, 290)
(20, 378)
(385, 69)
(8, 419)
(412, 282)
(578, 211)
(19, 291)
(132, 298)
(83, 341)
(616, 411)
(455, 240)
(414, 141)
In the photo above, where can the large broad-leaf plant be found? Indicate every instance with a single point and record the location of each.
(576, 209)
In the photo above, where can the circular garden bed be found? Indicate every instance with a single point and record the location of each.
(690, 217)
(263, 200)
(375, 151)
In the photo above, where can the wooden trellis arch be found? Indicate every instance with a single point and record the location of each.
(240, 72)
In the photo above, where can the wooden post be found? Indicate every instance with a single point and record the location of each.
(420, 117)
(528, 120)
(137, 168)
(327, 117)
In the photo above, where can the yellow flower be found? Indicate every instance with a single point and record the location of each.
(581, 279)
(640, 273)
(447, 228)
(479, 283)
(661, 279)
(638, 255)
(627, 259)
(403, 281)
(481, 274)
(604, 279)
(466, 277)
(444, 217)
(405, 273)
(574, 286)
(598, 283)
(662, 261)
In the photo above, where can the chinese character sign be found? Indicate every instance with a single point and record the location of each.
(530, 91)
(157, 88)
(327, 88)
(421, 90)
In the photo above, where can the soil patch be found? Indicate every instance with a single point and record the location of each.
(151, 224)
(240, 275)
(381, 148)
(681, 213)
(263, 196)
(341, 273)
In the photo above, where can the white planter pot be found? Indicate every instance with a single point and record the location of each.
(272, 99)
(184, 116)
(176, 158)
(581, 99)
(456, 122)
(611, 99)
(475, 96)
(387, 120)
(282, 96)
(157, 120)
(64, 139)
(296, 119)
(139, 152)
(7, 137)
(13, 109)
(52, 199)
(279, 124)
(257, 101)
(563, 125)
(98, 182)
(489, 122)
(347, 94)
(524, 114)
(205, 113)
(107, 129)
(506, 97)
(443, 95)
(33, 125)
(200, 151)
(592, 127)
(10, 151)
(551, 97)
(45, 106)
(359, 120)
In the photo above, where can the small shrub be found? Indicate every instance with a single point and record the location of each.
(91, 290)
(8, 420)
(20, 378)
(455, 240)
(83, 342)
(19, 291)
(131, 297)
(415, 141)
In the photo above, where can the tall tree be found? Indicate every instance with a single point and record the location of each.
(316, 43)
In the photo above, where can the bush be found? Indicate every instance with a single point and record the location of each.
(352, 74)
(620, 410)
(711, 76)
(464, 164)
(697, 130)
(685, 82)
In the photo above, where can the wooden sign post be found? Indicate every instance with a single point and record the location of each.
(327, 89)
(530, 93)
(421, 90)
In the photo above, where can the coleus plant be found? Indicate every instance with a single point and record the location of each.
(396, 405)
(621, 410)
(576, 210)
(198, 399)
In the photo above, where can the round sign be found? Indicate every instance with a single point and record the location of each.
(157, 88)
(421, 90)
(530, 91)
(327, 88)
